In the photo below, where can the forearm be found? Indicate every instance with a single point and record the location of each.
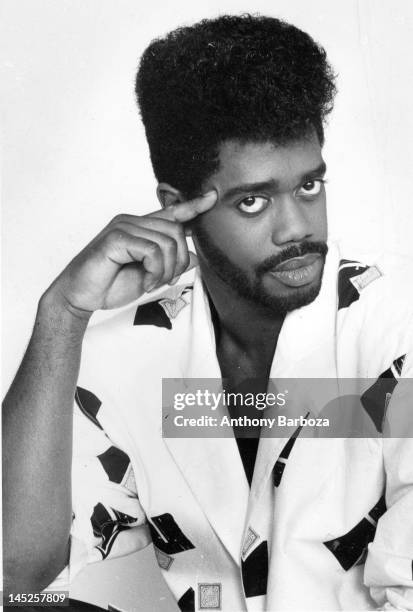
(130, 255)
(37, 450)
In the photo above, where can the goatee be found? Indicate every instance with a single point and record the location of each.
(253, 289)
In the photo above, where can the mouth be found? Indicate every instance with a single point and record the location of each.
(298, 271)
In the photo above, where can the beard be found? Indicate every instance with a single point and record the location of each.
(253, 288)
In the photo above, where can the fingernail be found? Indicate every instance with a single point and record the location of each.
(210, 194)
(174, 280)
(150, 287)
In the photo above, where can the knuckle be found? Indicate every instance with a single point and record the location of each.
(118, 219)
(115, 235)
(123, 218)
(153, 249)
(171, 244)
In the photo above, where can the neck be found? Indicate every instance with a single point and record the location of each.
(249, 327)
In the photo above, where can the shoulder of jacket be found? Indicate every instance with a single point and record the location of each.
(158, 310)
(377, 281)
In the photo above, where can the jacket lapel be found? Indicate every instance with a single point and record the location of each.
(305, 349)
(212, 467)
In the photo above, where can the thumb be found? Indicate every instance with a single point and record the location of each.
(193, 262)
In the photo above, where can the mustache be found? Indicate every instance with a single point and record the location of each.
(298, 250)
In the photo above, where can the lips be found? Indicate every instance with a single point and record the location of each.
(299, 271)
(297, 262)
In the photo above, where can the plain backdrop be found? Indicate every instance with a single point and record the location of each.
(74, 154)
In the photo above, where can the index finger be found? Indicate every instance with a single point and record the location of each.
(191, 209)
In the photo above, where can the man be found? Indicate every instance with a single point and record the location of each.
(233, 110)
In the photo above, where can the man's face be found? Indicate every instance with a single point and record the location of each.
(266, 236)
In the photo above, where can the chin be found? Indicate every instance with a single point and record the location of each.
(298, 299)
(283, 302)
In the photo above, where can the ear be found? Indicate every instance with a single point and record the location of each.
(168, 195)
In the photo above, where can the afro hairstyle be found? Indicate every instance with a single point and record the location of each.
(248, 78)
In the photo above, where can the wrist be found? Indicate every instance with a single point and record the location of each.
(57, 313)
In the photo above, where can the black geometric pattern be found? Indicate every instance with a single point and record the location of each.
(376, 398)
(279, 466)
(160, 312)
(350, 549)
(108, 528)
(255, 571)
(398, 364)
(89, 404)
(115, 463)
(187, 602)
(124, 519)
(104, 528)
(173, 540)
(347, 293)
(100, 519)
(109, 537)
(378, 510)
(277, 473)
(152, 313)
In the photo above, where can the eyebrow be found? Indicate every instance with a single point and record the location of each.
(271, 184)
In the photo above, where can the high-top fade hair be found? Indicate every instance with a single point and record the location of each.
(247, 78)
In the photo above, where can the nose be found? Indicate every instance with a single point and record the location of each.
(290, 223)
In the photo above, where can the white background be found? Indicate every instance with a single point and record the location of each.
(74, 153)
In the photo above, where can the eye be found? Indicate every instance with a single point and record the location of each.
(311, 188)
(253, 204)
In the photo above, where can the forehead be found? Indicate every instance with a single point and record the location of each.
(262, 161)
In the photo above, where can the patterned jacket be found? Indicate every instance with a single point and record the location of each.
(326, 525)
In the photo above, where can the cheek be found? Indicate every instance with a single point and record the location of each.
(319, 220)
(238, 238)
(232, 229)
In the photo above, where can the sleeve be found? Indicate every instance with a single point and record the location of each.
(389, 564)
(107, 518)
